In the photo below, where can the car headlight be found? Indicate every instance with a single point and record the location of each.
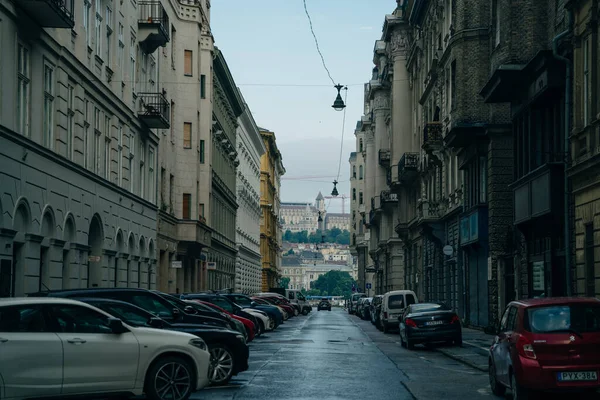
(199, 343)
(241, 338)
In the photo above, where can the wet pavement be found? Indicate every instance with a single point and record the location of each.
(333, 355)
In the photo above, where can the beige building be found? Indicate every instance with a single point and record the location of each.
(82, 113)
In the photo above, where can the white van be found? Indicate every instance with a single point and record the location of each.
(393, 305)
(296, 296)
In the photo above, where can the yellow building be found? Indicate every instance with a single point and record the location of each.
(271, 170)
(585, 149)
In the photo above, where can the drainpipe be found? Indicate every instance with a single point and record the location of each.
(568, 89)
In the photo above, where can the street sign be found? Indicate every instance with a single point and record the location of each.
(211, 266)
(176, 264)
(354, 288)
(448, 250)
(369, 285)
(94, 258)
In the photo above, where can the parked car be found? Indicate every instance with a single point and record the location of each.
(393, 305)
(291, 308)
(228, 349)
(353, 301)
(245, 301)
(428, 323)
(56, 347)
(365, 308)
(546, 344)
(248, 325)
(324, 305)
(265, 302)
(375, 310)
(296, 296)
(238, 324)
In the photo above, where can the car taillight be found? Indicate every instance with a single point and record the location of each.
(385, 314)
(525, 348)
(410, 322)
(455, 320)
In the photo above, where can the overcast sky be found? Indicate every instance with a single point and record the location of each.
(269, 49)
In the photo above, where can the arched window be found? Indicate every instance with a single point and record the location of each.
(360, 172)
(354, 171)
(360, 145)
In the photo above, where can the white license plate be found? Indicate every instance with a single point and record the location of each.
(578, 376)
(431, 323)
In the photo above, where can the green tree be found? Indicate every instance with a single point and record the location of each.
(287, 236)
(333, 283)
(290, 252)
(343, 238)
(284, 282)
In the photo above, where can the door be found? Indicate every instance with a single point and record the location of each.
(95, 358)
(6, 278)
(31, 356)
(503, 344)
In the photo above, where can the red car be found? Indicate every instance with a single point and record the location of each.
(247, 323)
(278, 302)
(547, 344)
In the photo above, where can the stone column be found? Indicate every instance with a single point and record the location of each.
(108, 268)
(153, 274)
(28, 281)
(144, 278)
(402, 137)
(132, 278)
(122, 272)
(381, 109)
(53, 276)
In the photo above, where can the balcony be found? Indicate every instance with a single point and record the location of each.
(153, 26)
(401, 229)
(376, 203)
(408, 167)
(49, 13)
(429, 211)
(361, 209)
(155, 110)
(388, 197)
(473, 226)
(539, 194)
(384, 157)
(432, 137)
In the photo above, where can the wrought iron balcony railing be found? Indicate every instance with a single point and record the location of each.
(388, 197)
(153, 25)
(432, 136)
(408, 166)
(384, 157)
(50, 13)
(155, 110)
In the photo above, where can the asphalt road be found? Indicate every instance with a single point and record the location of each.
(333, 355)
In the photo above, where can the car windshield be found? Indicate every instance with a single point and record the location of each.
(396, 301)
(129, 315)
(564, 318)
(427, 307)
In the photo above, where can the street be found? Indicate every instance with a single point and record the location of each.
(333, 355)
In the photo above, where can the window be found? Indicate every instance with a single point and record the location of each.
(70, 120)
(131, 156)
(121, 49)
(22, 319)
(172, 121)
(173, 50)
(586, 80)
(187, 203)
(86, 23)
(151, 181)
(171, 187)
(86, 135)
(107, 147)
(187, 62)
(48, 106)
(360, 172)
(109, 31)
(78, 319)
(590, 273)
(201, 209)
(564, 318)
(482, 179)
(128, 314)
(96, 142)
(452, 85)
(98, 28)
(187, 135)
(153, 305)
(23, 77)
(360, 198)
(360, 145)
(120, 157)
(497, 22)
(132, 57)
(202, 152)
(142, 175)
(354, 171)
(354, 194)
(202, 86)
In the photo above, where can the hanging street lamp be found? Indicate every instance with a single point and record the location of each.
(338, 104)
(335, 192)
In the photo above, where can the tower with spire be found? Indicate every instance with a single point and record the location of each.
(320, 203)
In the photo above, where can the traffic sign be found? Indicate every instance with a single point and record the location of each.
(448, 250)
(368, 286)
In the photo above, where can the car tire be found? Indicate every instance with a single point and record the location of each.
(458, 341)
(305, 311)
(497, 388)
(518, 391)
(384, 328)
(261, 327)
(409, 345)
(222, 364)
(402, 343)
(169, 369)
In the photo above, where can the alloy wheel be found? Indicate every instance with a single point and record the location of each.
(173, 381)
(221, 365)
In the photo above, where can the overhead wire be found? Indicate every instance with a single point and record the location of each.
(317, 42)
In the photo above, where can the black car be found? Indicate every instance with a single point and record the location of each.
(228, 349)
(245, 301)
(227, 305)
(144, 299)
(427, 323)
(324, 305)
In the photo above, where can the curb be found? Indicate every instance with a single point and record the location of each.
(462, 360)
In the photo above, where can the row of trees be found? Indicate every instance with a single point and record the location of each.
(332, 283)
(334, 235)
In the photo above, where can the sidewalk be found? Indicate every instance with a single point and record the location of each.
(474, 351)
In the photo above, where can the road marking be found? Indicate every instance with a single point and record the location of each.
(474, 345)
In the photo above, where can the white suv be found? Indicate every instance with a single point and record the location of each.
(52, 347)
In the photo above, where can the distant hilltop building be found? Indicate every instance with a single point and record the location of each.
(298, 217)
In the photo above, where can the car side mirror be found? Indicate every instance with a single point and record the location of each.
(253, 304)
(116, 325)
(190, 310)
(156, 322)
(176, 312)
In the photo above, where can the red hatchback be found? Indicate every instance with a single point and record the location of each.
(547, 344)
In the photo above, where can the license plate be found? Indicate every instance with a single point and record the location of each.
(578, 376)
(431, 323)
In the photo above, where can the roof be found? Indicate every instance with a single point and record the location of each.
(15, 301)
(320, 196)
(549, 301)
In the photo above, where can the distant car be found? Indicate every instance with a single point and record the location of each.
(428, 323)
(56, 347)
(324, 305)
(375, 311)
(547, 344)
(353, 301)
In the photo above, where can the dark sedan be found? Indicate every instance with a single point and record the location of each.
(324, 305)
(228, 349)
(429, 322)
(246, 301)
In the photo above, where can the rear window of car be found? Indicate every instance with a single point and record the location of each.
(562, 318)
(426, 307)
(396, 301)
